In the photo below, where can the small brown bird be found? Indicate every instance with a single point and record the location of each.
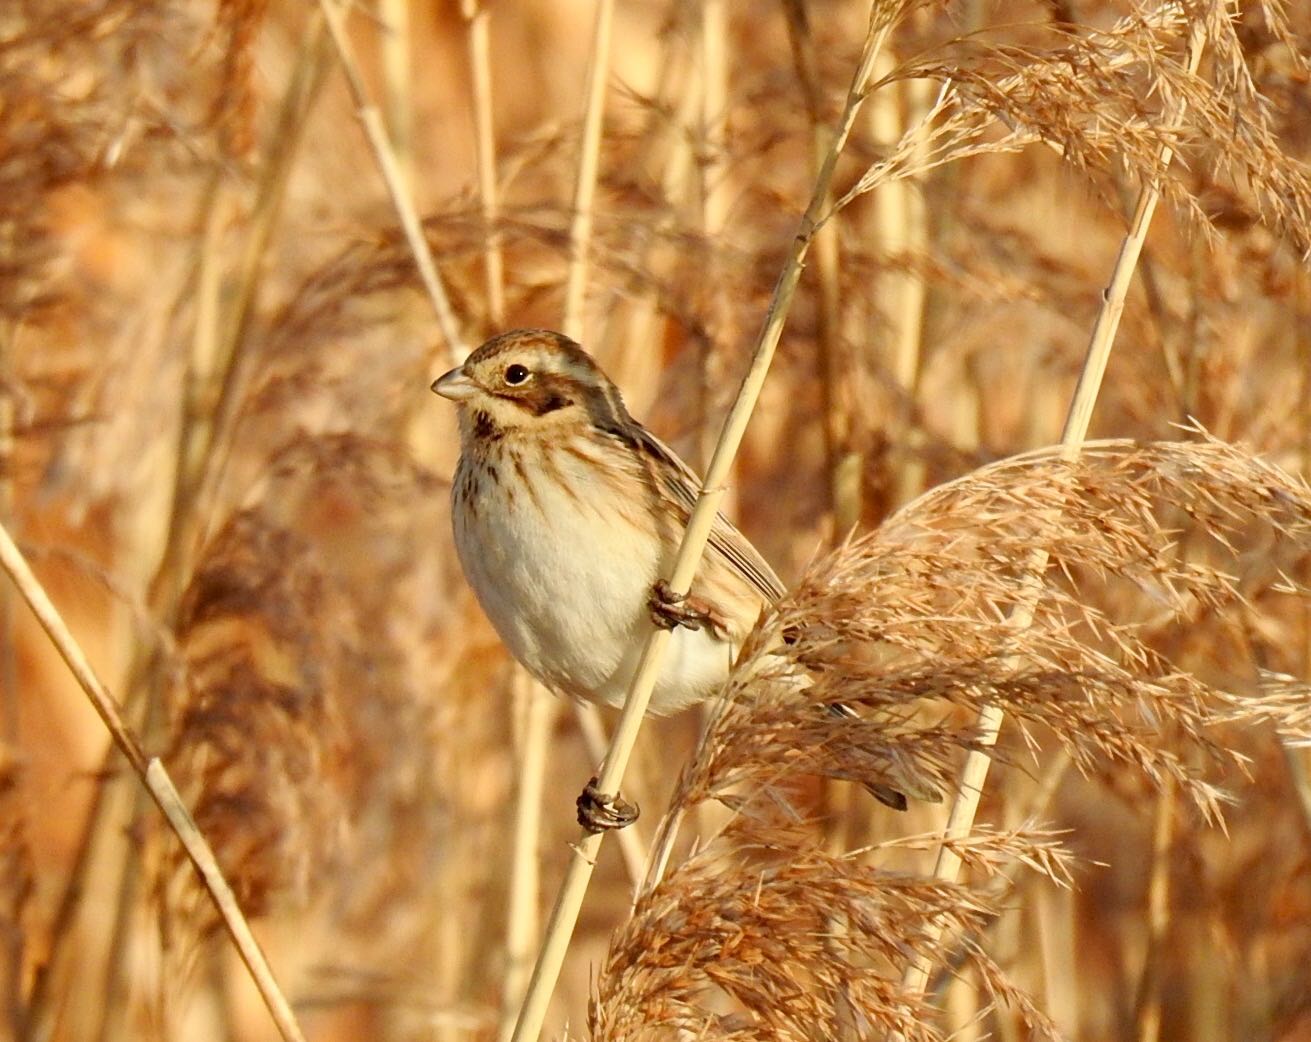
(567, 513)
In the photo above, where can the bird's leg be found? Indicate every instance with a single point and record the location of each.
(670, 610)
(599, 812)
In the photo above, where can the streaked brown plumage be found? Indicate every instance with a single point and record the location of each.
(567, 511)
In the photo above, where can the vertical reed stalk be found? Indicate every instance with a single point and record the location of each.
(844, 461)
(394, 48)
(639, 328)
(578, 874)
(589, 156)
(522, 912)
(1057, 930)
(712, 212)
(216, 370)
(1147, 1015)
(901, 220)
(477, 17)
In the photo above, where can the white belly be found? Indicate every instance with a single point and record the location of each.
(567, 590)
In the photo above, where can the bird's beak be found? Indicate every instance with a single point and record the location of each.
(455, 385)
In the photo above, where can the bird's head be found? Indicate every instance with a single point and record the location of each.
(530, 379)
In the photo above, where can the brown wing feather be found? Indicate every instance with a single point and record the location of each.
(680, 483)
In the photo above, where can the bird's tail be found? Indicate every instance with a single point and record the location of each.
(890, 793)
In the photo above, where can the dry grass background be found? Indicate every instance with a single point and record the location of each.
(223, 460)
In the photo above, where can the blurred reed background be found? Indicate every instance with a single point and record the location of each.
(222, 458)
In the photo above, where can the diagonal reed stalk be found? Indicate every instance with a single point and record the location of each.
(157, 782)
(975, 772)
(564, 915)
(388, 165)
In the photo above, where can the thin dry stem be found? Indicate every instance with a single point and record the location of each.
(394, 45)
(589, 150)
(478, 18)
(1148, 1012)
(157, 782)
(220, 340)
(904, 221)
(522, 910)
(376, 135)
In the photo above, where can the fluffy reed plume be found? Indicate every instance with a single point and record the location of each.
(803, 944)
(257, 728)
(53, 136)
(299, 731)
(909, 625)
(234, 102)
(1099, 96)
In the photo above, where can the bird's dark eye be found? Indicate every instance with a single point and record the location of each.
(516, 374)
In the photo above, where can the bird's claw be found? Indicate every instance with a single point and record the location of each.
(669, 610)
(599, 812)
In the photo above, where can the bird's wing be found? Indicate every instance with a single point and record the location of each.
(679, 482)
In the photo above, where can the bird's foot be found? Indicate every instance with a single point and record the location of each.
(669, 610)
(599, 812)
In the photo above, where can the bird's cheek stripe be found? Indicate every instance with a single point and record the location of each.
(540, 401)
(549, 403)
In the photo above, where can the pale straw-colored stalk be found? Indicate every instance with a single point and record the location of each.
(589, 157)
(536, 710)
(900, 219)
(975, 771)
(1147, 1015)
(669, 149)
(712, 217)
(714, 125)
(712, 211)
(376, 135)
(578, 873)
(574, 323)
(844, 462)
(961, 1006)
(157, 782)
(1054, 914)
(904, 221)
(477, 18)
(394, 53)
